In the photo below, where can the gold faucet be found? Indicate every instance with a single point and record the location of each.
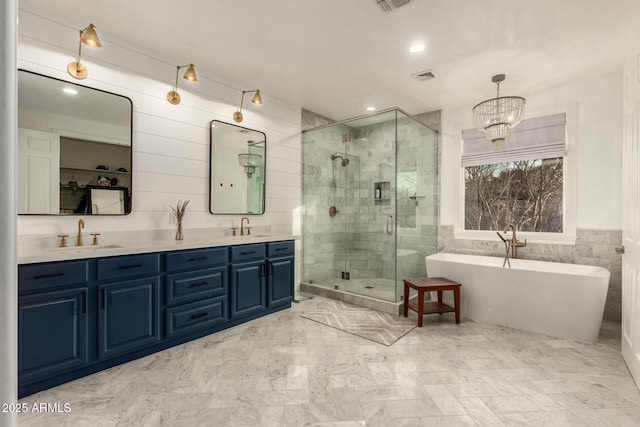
(242, 225)
(515, 243)
(80, 227)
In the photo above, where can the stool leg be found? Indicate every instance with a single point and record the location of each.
(456, 297)
(406, 299)
(420, 306)
(440, 299)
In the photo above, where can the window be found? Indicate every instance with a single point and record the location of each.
(525, 182)
(526, 193)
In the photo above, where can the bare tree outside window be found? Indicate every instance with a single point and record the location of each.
(525, 193)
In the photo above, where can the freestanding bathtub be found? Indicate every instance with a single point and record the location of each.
(562, 300)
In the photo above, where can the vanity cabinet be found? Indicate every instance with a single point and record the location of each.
(129, 314)
(52, 318)
(196, 298)
(52, 333)
(280, 273)
(248, 279)
(78, 317)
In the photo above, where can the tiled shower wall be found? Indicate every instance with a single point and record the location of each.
(593, 247)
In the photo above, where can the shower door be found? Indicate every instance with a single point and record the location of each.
(370, 205)
(324, 192)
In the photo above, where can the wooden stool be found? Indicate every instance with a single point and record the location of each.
(430, 284)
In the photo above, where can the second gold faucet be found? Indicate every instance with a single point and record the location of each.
(242, 225)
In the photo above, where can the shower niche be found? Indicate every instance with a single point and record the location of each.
(379, 235)
(381, 193)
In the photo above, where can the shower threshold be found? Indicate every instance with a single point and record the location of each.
(352, 298)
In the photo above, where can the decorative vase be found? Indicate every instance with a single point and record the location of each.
(179, 235)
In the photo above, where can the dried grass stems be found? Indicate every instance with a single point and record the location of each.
(178, 211)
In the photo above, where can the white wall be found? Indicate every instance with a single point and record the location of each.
(170, 143)
(599, 148)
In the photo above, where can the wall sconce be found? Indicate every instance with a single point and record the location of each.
(173, 96)
(257, 99)
(89, 37)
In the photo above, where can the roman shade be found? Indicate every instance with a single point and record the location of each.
(535, 138)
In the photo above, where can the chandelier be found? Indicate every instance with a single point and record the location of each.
(249, 162)
(497, 116)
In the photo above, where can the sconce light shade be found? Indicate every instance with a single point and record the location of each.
(190, 74)
(173, 96)
(88, 36)
(257, 99)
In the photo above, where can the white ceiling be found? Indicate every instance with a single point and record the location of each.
(336, 57)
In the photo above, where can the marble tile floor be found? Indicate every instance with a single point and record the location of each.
(284, 370)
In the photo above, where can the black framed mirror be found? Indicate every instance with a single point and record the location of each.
(72, 138)
(237, 170)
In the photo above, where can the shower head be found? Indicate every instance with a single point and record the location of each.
(344, 162)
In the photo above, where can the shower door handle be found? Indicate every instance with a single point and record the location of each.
(390, 224)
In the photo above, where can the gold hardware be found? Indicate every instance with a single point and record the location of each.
(333, 211)
(248, 231)
(63, 240)
(95, 238)
(80, 227)
(242, 225)
(173, 96)
(515, 243)
(257, 99)
(89, 37)
(234, 231)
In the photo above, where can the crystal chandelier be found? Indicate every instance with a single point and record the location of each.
(497, 116)
(249, 162)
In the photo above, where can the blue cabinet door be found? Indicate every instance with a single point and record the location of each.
(129, 316)
(280, 281)
(52, 329)
(248, 288)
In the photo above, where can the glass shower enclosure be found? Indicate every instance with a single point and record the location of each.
(371, 193)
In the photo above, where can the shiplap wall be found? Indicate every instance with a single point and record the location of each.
(170, 143)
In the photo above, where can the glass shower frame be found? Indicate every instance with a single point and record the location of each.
(378, 175)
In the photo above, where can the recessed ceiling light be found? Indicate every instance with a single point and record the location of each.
(371, 108)
(416, 48)
(70, 91)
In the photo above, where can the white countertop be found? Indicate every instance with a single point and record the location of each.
(35, 255)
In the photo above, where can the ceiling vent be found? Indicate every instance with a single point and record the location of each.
(389, 5)
(424, 75)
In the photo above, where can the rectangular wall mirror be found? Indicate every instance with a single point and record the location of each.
(72, 139)
(237, 176)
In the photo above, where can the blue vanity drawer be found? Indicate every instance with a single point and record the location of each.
(247, 252)
(280, 248)
(128, 266)
(47, 275)
(196, 316)
(186, 287)
(192, 259)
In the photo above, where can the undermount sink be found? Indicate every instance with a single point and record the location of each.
(80, 249)
(249, 236)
